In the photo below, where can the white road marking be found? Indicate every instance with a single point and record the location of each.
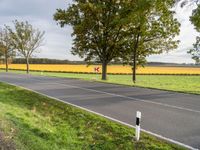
(122, 96)
(127, 97)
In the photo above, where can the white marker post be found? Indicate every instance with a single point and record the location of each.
(138, 119)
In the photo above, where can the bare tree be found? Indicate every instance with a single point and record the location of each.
(25, 39)
(6, 48)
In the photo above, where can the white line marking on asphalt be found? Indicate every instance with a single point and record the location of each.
(110, 118)
(127, 97)
(122, 96)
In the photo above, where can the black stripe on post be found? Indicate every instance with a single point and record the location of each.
(137, 121)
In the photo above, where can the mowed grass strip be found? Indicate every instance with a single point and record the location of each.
(179, 83)
(30, 121)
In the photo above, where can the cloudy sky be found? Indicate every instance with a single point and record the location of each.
(58, 41)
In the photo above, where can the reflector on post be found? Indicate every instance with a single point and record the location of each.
(138, 119)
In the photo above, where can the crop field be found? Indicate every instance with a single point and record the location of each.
(112, 69)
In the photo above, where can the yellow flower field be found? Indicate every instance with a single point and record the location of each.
(115, 69)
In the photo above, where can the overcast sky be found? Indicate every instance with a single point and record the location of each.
(58, 41)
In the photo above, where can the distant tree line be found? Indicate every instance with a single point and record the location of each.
(45, 61)
(39, 61)
(51, 61)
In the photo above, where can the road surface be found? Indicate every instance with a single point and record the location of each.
(169, 114)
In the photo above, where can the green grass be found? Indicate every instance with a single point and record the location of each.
(34, 122)
(186, 84)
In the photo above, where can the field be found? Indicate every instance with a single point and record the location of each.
(112, 69)
(32, 121)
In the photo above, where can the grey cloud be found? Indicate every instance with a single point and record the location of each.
(39, 8)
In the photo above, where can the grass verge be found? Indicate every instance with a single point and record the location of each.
(31, 121)
(185, 84)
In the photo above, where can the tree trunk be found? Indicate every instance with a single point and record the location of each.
(134, 66)
(104, 70)
(27, 65)
(135, 56)
(6, 59)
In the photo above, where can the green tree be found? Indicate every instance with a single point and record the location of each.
(126, 30)
(25, 39)
(1, 50)
(6, 49)
(151, 30)
(97, 29)
(195, 19)
(1, 53)
(195, 51)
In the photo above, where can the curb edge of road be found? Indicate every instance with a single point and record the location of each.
(110, 118)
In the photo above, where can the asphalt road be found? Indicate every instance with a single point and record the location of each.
(169, 114)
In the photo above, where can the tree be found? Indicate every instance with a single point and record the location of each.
(1, 50)
(6, 46)
(195, 52)
(126, 30)
(151, 30)
(195, 19)
(97, 29)
(1, 53)
(25, 39)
